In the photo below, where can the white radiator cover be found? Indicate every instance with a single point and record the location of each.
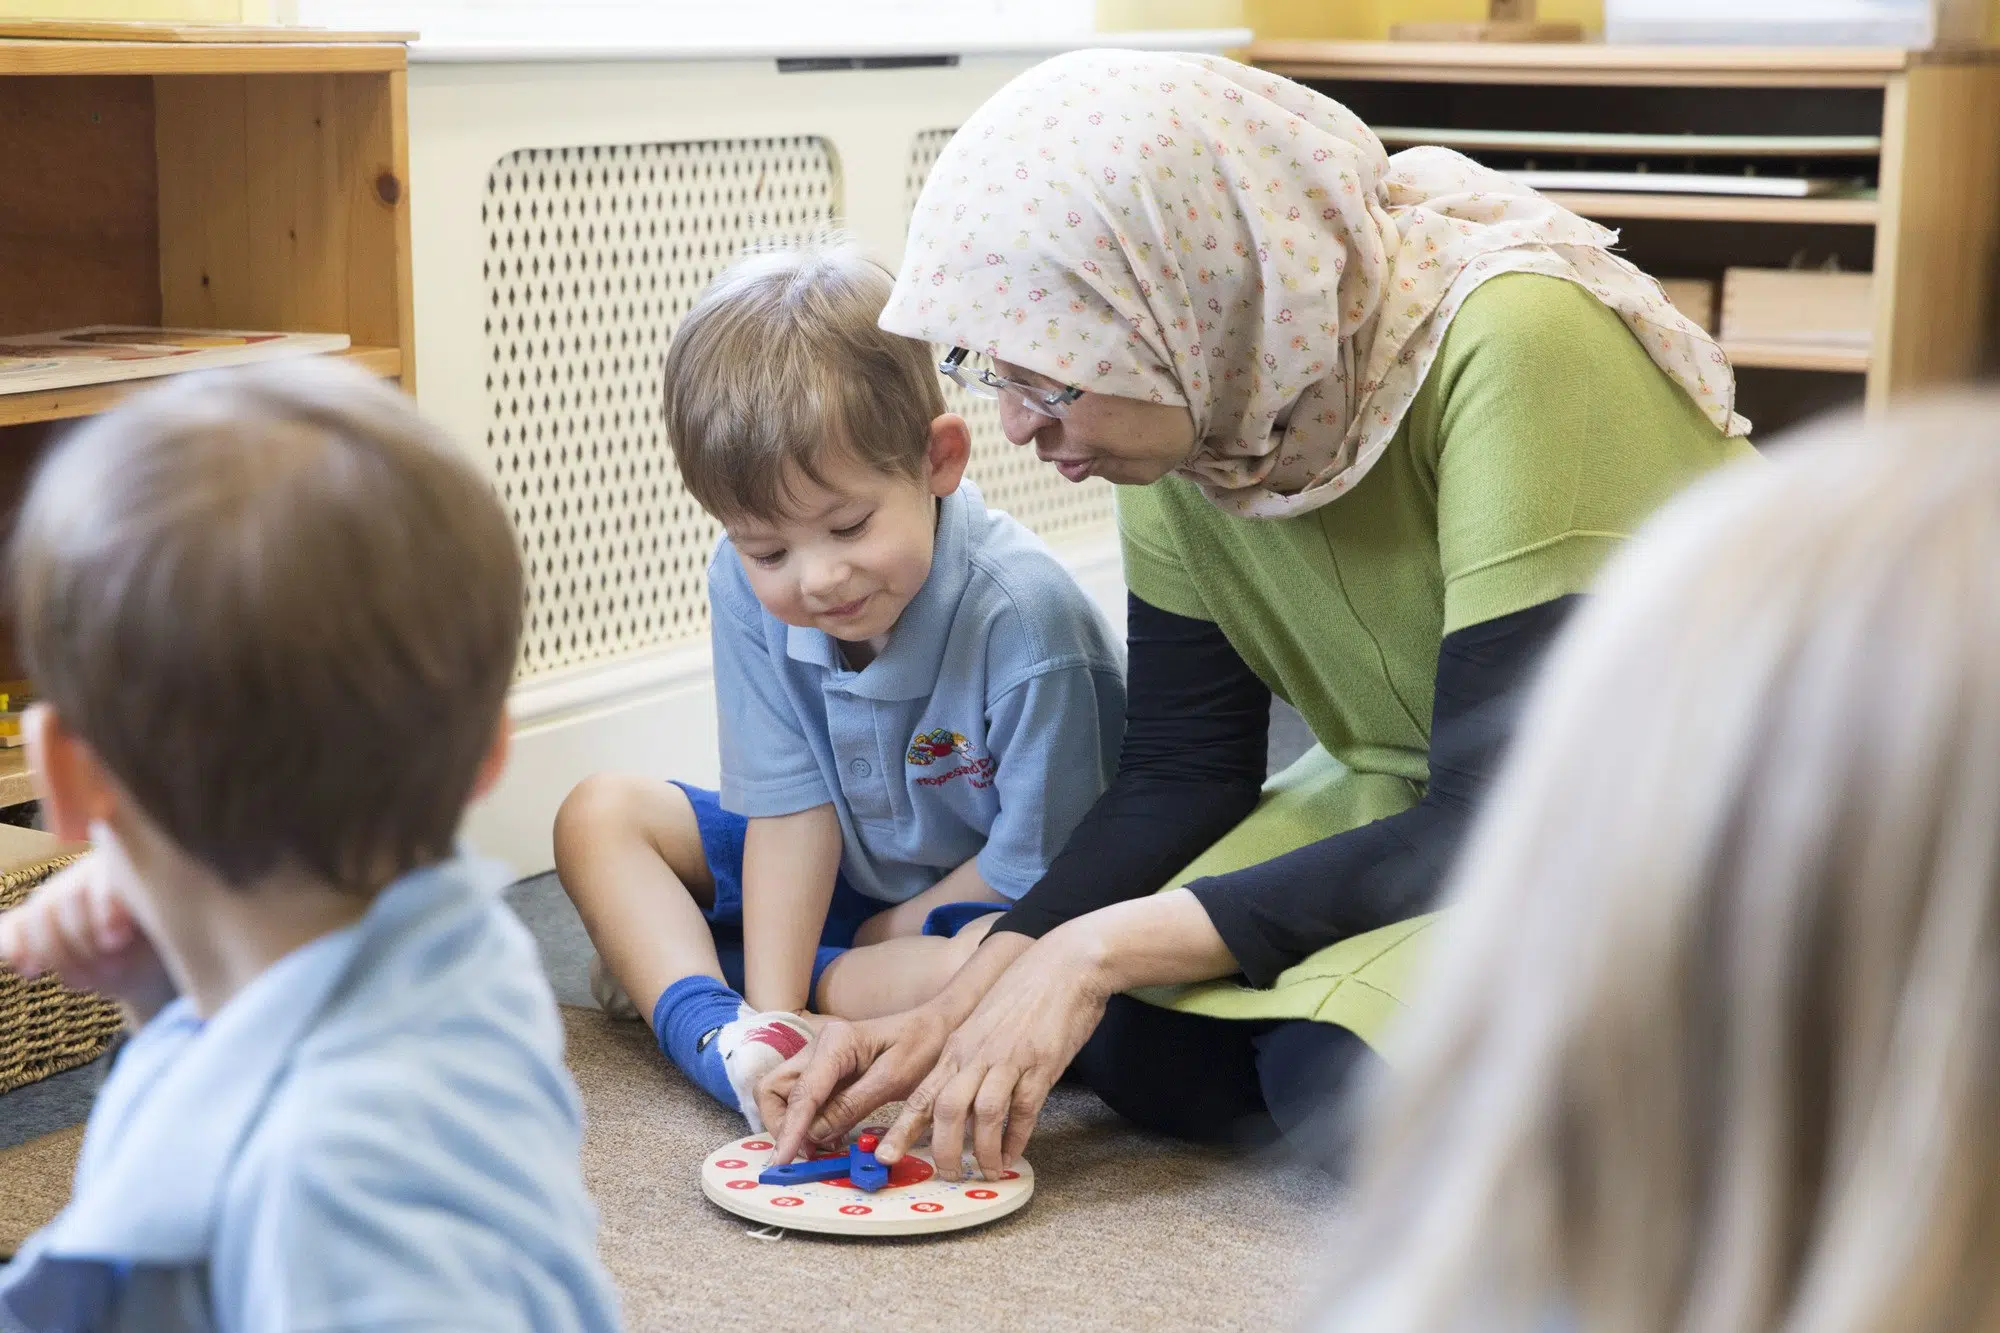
(563, 216)
(593, 254)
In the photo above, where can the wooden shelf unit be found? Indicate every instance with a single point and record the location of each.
(196, 176)
(1930, 233)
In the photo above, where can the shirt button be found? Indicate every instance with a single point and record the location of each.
(860, 768)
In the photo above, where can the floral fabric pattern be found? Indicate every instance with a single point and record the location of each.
(1184, 229)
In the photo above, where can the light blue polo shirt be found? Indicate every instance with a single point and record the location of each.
(986, 728)
(378, 1132)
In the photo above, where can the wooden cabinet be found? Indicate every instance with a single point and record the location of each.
(209, 177)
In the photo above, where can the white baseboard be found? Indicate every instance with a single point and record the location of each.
(652, 713)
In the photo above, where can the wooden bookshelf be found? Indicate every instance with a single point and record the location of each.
(206, 184)
(196, 176)
(1929, 232)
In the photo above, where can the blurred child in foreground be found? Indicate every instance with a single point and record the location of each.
(273, 615)
(1715, 1043)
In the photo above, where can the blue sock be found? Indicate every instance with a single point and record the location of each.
(691, 1010)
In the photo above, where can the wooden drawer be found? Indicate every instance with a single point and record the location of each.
(1787, 306)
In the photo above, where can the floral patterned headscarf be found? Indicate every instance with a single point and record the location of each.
(1184, 229)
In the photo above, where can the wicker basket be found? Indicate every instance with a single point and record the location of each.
(45, 1027)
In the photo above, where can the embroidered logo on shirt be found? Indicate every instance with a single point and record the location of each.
(942, 743)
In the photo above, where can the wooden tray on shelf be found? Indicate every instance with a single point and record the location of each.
(89, 399)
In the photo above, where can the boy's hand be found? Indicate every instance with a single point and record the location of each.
(77, 927)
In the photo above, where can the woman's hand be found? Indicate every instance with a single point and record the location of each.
(850, 1069)
(847, 1071)
(984, 1054)
(996, 1071)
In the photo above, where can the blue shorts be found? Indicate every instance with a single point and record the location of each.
(722, 844)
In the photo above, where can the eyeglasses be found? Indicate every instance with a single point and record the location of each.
(983, 383)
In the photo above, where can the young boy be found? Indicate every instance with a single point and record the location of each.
(917, 703)
(273, 617)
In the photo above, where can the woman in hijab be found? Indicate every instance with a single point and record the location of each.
(1377, 422)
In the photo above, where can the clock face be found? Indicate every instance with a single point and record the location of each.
(915, 1200)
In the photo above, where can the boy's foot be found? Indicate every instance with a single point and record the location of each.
(610, 996)
(752, 1047)
(723, 1044)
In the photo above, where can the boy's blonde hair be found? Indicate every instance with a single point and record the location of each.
(282, 609)
(780, 363)
(1714, 1043)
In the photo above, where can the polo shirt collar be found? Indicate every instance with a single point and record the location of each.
(186, 1095)
(908, 666)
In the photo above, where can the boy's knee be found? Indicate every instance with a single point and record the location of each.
(604, 803)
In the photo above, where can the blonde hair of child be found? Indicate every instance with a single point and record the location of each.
(1713, 1044)
(781, 363)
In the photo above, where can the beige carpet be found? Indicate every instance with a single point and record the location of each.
(34, 1184)
(1125, 1231)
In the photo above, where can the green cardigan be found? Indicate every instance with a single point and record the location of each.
(1543, 436)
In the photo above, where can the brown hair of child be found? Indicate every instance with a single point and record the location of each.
(1712, 1044)
(780, 363)
(282, 609)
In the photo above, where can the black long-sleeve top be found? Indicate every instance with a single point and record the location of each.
(1196, 734)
